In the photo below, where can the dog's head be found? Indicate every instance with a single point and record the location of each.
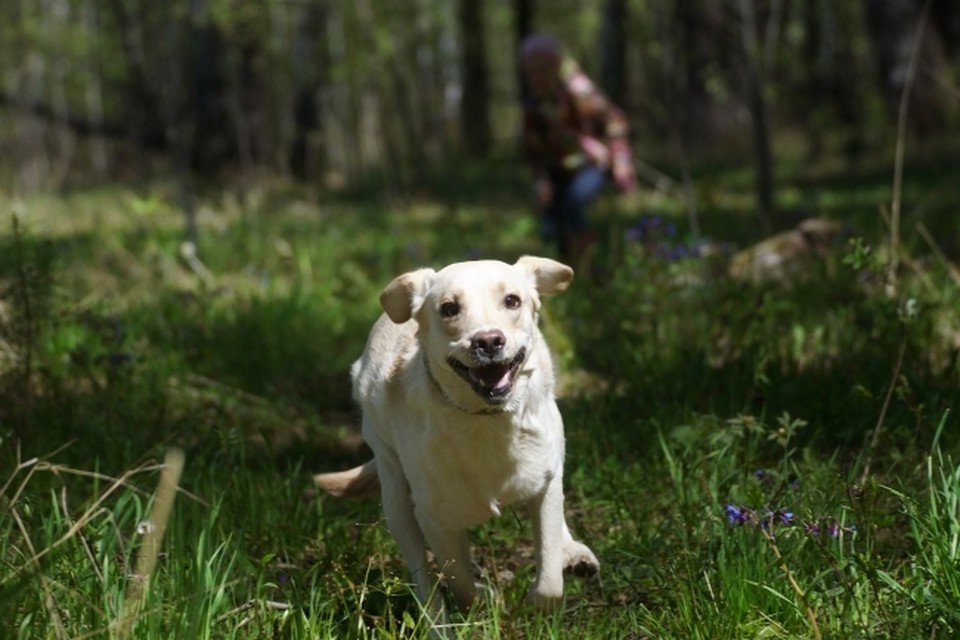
(477, 322)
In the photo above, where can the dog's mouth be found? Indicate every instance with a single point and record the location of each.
(491, 381)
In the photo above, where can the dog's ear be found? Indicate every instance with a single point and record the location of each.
(404, 295)
(549, 275)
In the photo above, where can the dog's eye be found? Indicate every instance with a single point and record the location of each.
(512, 302)
(449, 309)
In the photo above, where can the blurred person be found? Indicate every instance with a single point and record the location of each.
(576, 141)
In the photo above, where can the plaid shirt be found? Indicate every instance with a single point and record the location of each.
(555, 131)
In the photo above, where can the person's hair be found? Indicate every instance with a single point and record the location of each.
(539, 45)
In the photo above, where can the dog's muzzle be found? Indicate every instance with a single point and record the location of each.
(491, 380)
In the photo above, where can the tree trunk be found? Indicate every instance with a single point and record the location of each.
(58, 94)
(753, 77)
(945, 19)
(523, 24)
(143, 102)
(213, 141)
(406, 86)
(178, 127)
(475, 99)
(428, 71)
(311, 64)
(613, 50)
(691, 52)
(94, 90)
(893, 25)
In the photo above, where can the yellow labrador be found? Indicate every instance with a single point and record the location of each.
(456, 385)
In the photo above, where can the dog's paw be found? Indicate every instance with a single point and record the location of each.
(579, 560)
(545, 601)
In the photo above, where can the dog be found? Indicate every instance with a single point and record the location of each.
(456, 385)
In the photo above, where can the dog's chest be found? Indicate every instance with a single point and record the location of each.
(472, 472)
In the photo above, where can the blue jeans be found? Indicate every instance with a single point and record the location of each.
(566, 215)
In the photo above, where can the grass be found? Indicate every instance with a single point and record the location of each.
(746, 460)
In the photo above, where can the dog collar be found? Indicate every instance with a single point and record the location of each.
(446, 399)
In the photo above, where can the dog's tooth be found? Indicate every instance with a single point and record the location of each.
(476, 376)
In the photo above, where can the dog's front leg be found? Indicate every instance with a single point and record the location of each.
(399, 510)
(451, 547)
(546, 512)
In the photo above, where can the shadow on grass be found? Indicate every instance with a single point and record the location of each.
(822, 351)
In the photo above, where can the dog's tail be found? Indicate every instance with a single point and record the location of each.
(358, 482)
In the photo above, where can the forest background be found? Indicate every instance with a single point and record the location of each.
(200, 201)
(333, 93)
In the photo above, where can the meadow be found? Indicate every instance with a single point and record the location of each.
(747, 460)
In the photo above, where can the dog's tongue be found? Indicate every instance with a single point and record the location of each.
(492, 376)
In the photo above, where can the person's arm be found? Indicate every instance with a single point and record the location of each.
(606, 141)
(617, 129)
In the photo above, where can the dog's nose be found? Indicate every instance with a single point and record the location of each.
(488, 343)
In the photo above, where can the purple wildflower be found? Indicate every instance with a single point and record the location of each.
(733, 513)
(678, 252)
(649, 228)
(658, 238)
(736, 515)
(770, 519)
